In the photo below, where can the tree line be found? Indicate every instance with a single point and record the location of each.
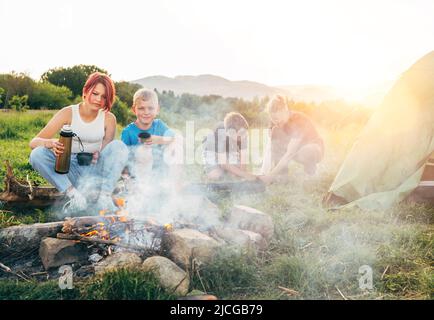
(59, 87)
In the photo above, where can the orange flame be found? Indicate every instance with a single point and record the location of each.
(91, 233)
(168, 227)
(120, 202)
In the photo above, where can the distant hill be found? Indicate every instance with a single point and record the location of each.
(207, 84)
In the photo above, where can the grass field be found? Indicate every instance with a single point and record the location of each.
(314, 252)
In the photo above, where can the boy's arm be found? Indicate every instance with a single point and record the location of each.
(162, 139)
(166, 135)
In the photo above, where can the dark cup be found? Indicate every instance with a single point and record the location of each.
(144, 136)
(84, 158)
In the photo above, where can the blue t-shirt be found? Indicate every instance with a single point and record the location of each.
(130, 136)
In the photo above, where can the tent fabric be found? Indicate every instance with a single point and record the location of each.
(387, 159)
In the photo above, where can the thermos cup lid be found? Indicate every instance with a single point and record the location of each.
(66, 128)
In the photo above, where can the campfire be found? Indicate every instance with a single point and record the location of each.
(115, 228)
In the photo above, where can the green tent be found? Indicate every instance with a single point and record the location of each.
(390, 156)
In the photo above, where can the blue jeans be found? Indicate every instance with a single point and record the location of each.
(100, 176)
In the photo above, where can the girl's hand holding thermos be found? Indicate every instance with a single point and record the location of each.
(55, 146)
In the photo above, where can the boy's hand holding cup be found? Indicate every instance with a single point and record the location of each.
(145, 138)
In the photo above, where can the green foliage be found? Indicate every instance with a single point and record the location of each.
(18, 103)
(73, 78)
(8, 220)
(49, 96)
(123, 114)
(16, 84)
(125, 284)
(125, 91)
(188, 101)
(2, 91)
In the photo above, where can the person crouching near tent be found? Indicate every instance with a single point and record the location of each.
(154, 147)
(293, 137)
(225, 149)
(95, 128)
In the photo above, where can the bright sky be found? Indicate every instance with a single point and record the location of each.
(335, 42)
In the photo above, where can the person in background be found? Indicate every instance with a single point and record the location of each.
(293, 137)
(225, 149)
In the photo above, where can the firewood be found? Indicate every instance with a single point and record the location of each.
(5, 268)
(24, 193)
(101, 241)
(89, 223)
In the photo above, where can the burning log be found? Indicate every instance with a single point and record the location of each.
(118, 229)
(25, 193)
(107, 227)
(101, 241)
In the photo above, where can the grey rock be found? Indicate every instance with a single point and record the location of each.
(186, 244)
(170, 276)
(246, 218)
(57, 252)
(121, 259)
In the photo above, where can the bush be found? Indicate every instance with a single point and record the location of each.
(16, 84)
(73, 77)
(2, 91)
(123, 114)
(47, 95)
(125, 91)
(18, 103)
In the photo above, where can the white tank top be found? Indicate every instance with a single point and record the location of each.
(91, 133)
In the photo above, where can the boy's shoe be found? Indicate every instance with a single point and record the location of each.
(77, 202)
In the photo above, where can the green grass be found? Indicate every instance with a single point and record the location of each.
(313, 251)
(21, 290)
(122, 284)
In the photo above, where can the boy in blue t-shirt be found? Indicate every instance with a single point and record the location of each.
(147, 155)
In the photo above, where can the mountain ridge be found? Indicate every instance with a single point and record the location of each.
(209, 84)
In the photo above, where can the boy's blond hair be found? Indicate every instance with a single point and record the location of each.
(234, 120)
(145, 94)
(277, 103)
